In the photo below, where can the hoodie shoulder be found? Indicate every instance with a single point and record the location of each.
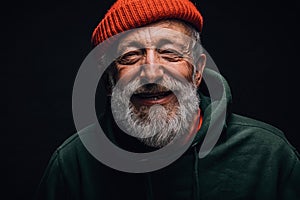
(249, 122)
(73, 145)
(257, 129)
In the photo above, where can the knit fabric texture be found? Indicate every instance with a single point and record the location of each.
(128, 14)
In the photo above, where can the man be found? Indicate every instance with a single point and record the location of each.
(157, 100)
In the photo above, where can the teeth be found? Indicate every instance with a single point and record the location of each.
(153, 96)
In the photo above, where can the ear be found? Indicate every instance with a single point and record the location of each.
(200, 65)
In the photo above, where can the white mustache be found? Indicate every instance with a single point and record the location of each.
(151, 88)
(153, 125)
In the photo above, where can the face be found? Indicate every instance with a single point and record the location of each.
(158, 78)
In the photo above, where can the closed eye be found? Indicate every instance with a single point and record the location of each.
(170, 55)
(130, 57)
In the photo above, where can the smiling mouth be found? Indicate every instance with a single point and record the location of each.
(151, 98)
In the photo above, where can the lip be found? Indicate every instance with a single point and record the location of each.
(151, 101)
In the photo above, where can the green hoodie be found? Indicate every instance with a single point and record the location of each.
(251, 160)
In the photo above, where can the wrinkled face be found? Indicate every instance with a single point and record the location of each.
(157, 96)
(162, 49)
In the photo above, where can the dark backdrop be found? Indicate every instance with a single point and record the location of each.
(253, 44)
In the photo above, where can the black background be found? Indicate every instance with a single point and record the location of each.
(253, 44)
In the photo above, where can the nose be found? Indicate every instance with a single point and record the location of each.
(152, 70)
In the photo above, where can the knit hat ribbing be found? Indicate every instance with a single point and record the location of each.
(128, 14)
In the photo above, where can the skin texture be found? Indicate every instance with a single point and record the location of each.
(158, 74)
(152, 64)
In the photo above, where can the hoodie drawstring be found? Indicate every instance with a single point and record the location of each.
(196, 175)
(149, 187)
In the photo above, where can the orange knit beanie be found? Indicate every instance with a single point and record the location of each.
(128, 14)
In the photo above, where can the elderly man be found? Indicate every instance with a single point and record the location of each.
(154, 100)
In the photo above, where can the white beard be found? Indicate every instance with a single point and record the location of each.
(158, 125)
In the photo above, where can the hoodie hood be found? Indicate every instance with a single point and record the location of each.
(215, 103)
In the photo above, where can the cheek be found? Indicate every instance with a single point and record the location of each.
(127, 73)
(121, 72)
(184, 69)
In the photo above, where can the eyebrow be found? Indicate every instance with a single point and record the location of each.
(138, 45)
(164, 41)
(168, 41)
(126, 44)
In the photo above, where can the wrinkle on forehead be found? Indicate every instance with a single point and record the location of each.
(177, 32)
(170, 23)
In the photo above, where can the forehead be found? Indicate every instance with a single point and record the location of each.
(173, 31)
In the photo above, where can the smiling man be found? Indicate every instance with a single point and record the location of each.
(160, 95)
(156, 70)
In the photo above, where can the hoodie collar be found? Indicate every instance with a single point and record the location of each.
(215, 103)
